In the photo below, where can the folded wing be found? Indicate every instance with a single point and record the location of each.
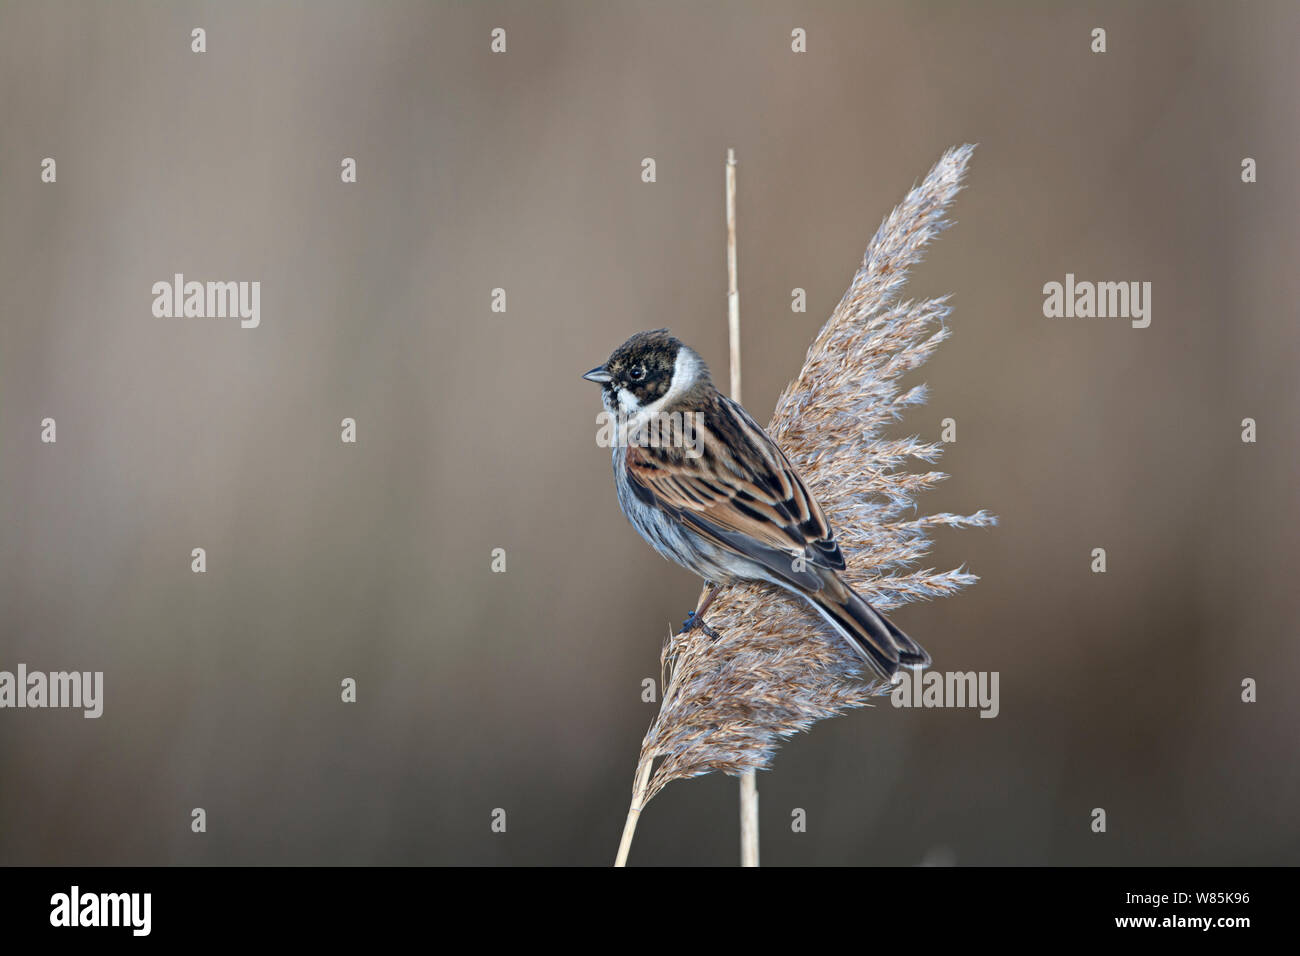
(741, 493)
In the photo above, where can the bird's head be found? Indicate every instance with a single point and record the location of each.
(648, 370)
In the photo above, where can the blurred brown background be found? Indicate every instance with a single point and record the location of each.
(522, 690)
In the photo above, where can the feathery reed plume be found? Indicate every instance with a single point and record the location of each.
(776, 668)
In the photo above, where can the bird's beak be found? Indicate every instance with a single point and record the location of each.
(598, 374)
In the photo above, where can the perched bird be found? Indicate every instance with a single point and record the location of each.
(708, 488)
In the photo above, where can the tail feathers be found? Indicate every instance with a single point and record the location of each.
(880, 643)
(910, 653)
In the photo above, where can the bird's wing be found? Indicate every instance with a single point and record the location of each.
(741, 493)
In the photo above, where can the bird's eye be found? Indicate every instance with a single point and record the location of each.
(637, 372)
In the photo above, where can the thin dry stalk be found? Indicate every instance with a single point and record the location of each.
(733, 286)
(748, 780)
(748, 819)
(639, 799)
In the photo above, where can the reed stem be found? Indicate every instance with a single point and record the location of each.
(748, 782)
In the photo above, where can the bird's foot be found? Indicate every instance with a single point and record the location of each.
(695, 622)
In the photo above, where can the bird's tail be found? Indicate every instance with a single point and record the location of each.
(870, 633)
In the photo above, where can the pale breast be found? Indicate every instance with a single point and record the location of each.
(675, 542)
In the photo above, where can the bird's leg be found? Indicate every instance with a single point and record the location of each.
(695, 622)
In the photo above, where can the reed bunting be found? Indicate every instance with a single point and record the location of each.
(707, 487)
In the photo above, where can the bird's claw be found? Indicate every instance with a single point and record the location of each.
(693, 623)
